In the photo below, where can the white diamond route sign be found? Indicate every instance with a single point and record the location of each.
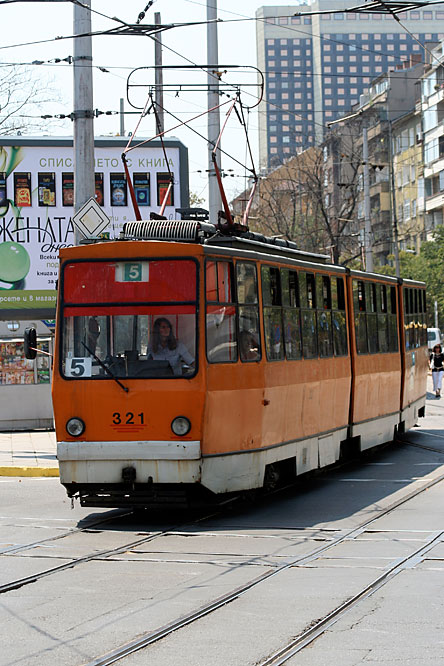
(90, 220)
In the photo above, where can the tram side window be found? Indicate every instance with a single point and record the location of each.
(417, 317)
(248, 307)
(372, 318)
(291, 312)
(393, 321)
(383, 337)
(339, 324)
(414, 317)
(221, 339)
(308, 315)
(421, 324)
(272, 303)
(323, 302)
(408, 320)
(360, 316)
(422, 300)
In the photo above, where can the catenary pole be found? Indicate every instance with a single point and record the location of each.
(122, 117)
(214, 198)
(84, 186)
(367, 221)
(393, 202)
(158, 76)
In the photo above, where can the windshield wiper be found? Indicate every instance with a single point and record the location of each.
(125, 388)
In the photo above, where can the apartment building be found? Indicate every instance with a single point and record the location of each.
(408, 180)
(432, 106)
(316, 66)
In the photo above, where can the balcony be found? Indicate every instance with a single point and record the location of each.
(379, 187)
(435, 202)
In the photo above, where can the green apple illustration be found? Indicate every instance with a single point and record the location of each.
(14, 264)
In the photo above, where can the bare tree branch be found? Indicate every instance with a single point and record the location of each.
(21, 99)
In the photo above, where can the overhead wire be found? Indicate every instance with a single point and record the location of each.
(305, 32)
(269, 102)
(243, 18)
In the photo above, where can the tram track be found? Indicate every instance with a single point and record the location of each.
(12, 550)
(424, 446)
(322, 625)
(96, 555)
(151, 637)
(106, 553)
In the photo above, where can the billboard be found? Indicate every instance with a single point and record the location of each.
(37, 205)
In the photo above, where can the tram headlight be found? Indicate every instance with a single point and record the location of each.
(75, 427)
(181, 426)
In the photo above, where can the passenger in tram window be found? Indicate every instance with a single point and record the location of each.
(437, 367)
(248, 346)
(93, 334)
(165, 347)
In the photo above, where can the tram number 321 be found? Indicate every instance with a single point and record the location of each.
(128, 419)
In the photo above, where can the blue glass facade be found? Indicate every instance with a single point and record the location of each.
(304, 96)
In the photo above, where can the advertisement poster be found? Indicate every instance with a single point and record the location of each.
(68, 189)
(118, 189)
(36, 209)
(99, 188)
(142, 188)
(47, 194)
(163, 181)
(3, 198)
(22, 189)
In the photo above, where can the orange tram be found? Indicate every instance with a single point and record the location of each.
(272, 363)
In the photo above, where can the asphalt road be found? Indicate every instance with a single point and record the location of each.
(364, 542)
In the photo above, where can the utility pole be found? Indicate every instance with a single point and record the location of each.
(158, 97)
(214, 197)
(394, 216)
(367, 221)
(122, 117)
(84, 183)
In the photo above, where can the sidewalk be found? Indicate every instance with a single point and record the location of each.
(28, 453)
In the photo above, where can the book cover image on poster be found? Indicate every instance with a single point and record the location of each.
(118, 189)
(163, 181)
(142, 188)
(3, 195)
(47, 189)
(68, 189)
(22, 189)
(99, 189)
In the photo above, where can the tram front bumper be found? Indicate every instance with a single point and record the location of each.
(169, 462)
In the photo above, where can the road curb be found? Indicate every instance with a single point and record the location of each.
(29, 471)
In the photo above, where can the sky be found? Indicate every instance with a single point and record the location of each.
(26, 22)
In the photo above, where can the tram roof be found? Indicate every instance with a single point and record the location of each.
(203, 233)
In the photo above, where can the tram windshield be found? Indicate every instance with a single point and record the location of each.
(129, 319)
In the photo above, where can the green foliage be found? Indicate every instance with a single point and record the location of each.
(428, 267)
(195, 200)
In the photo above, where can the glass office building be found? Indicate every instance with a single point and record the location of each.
(316, 67)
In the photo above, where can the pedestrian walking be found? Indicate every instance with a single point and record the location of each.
(437, 366)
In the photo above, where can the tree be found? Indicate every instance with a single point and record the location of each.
(21, 96)
(312, 198)
(283, 206)
(332, 183)
(428, 267)
(195, 200)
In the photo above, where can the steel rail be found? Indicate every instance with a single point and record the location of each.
(311, 634)
(11, 550)
(16, 584)
(153, 636)
(102, 554)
